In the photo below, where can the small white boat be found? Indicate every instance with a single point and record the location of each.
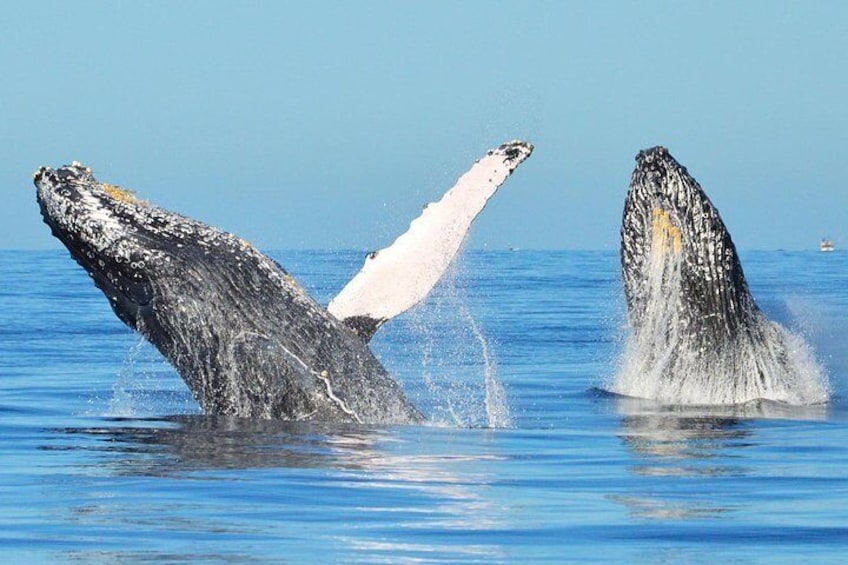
(826, 245)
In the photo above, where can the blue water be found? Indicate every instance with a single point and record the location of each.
(105, 457)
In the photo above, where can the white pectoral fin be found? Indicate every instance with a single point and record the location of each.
(398, 277)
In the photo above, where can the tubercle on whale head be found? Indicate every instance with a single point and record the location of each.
(78, 209)
(660, 175)
(657, 153)
(70, 196)
(658, 158)
(665, 206)
(98, 223)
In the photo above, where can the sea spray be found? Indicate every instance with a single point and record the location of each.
(449, 362)
(147, 385)
(128, 398)
(497, 409)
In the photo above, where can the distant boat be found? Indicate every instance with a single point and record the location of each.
(826, 245)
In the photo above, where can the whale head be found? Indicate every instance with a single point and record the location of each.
(136, 252)
(674, 242)
(108, 231)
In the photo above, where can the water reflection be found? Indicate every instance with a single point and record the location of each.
(185, 443)
(679, 448)
(358, 490)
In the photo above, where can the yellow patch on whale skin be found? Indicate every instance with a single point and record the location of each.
(121, 194)
(291, 280)
(666, 235)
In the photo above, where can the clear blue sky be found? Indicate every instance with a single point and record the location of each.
(321, 125)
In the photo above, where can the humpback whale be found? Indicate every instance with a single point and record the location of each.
(242, 333)
(697, 334)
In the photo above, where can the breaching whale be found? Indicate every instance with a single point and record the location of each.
(697, 335)
(242, 333)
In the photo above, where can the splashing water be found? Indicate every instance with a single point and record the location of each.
(147, 385)
(666, 361)
(454, 354)
(125, 401)
(497, 410)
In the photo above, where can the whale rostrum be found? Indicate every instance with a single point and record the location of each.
(242, 333)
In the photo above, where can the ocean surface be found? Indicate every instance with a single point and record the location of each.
(106, 458)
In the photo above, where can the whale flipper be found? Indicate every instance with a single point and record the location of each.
(398, 277)
(698, 336)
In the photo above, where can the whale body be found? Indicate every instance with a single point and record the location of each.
(242, 333)
(697, 334)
